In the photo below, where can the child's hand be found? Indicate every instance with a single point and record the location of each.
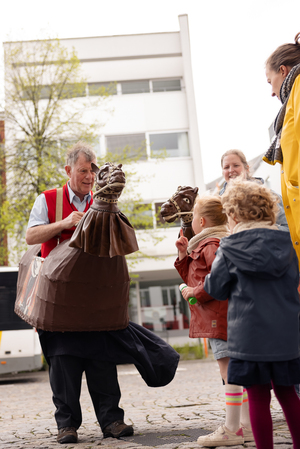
(187, 292)
(182, 244)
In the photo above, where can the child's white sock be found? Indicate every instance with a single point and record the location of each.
(234, 400)
(245, 417)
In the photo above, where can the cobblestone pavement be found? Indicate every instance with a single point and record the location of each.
(194, 400)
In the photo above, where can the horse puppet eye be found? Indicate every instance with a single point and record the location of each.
(187, 200)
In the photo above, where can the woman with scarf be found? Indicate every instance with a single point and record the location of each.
(282, 71)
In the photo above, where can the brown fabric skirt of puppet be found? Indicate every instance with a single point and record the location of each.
(104, 233)
(80, 292)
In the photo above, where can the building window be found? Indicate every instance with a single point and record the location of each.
(145, 298)
(160, 222)
(40, 92)
(102, 89)
(44, 92)
(162, 306)
(135, 87)
(134, 145)
(174, 144)
(166, 85)
(74, 90)
(169, 296)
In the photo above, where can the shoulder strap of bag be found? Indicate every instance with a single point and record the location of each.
(59, 207)
(59, 204)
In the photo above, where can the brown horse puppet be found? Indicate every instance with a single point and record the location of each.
(82, 279)
(104, 230)
(181, 205)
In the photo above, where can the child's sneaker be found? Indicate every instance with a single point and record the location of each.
(222, 437)
(248, 434)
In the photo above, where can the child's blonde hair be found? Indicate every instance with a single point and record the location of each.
(247, 201)
(211, 207)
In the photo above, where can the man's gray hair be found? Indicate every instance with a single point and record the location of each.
(80, 148)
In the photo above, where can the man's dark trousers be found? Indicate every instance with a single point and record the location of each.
(65, 373)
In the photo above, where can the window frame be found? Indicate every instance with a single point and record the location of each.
(166, 79)
(142, 159)
(150, 81)
(135, 81)
(177, 131)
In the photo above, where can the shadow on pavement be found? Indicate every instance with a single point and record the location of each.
(161, 438)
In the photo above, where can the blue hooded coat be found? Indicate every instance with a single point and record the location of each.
(257, 270)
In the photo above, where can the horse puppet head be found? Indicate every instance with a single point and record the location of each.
(104, 230)
(181, 205)
(110, 182)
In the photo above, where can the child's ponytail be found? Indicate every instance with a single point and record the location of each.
(211, 207)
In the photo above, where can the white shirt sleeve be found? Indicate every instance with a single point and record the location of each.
(39, 212)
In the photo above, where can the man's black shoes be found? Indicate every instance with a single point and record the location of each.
(117, 429)
(67, 435)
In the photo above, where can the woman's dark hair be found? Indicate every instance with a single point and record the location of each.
(287, 54)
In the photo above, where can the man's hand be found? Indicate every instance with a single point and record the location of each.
(72, 220)
(182, 245)
(43, 233)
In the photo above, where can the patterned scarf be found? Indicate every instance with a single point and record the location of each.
(274, 153)
(213, 232)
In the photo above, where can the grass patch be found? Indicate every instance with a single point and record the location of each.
(190, 352)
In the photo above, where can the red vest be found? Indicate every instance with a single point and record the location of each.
(68, 208)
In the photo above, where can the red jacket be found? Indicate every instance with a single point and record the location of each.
(68, 208)
(208, 316)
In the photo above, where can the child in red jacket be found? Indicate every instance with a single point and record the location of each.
(209, 316)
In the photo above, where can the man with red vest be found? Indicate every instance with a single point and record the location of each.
(69, 354)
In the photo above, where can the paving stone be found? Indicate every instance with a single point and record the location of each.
(194, 400)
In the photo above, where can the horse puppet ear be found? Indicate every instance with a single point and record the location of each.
(95, 169)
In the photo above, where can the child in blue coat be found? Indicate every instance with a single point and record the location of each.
(256, 268)
(209, 317)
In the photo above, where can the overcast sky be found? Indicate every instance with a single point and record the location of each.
(230, 41)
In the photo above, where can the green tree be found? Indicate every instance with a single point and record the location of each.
(45, 110)
(49, 105)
